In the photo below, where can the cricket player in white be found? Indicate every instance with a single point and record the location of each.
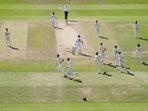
(102, 51)
(116, 52)
(69, 69)
(59, 62)
(7, 35)
(79, 44)
(66, 10)
(54, 20)
(136, 28)
(121, 63)
(98, 59)
(97, 26)
(139, 51)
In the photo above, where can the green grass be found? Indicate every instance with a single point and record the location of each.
(36, 87)
(73, 2)
(41, 40)
(39, 35)
(124, 32)
(50, 66)
(39, 91)
(75, 106)
(28, 66)
(76, 11)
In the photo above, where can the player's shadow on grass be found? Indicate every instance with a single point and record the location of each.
(145, 64)
(75, 80)
(129, 73)
(143, 39)
(86, 55)
(72, 21)
(126, 67)
(110, 64)
(114, 66)
(58, 28)
(14, 48)
(102, 37)
(106, 74)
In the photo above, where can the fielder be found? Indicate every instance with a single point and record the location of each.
(7, 35)
(66, 10)
(136, 29)
(102, 50)
(121, 63)
(116, 52)
(97, 26)
(79, 44)
(59, 62)
(54, 20)
(98, 59)
(139, 51)
(69, 69)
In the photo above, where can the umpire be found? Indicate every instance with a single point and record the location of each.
(66, 10)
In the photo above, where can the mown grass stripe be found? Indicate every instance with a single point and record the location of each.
(77, 7)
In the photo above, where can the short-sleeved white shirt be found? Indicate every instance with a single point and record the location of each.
(66, 8)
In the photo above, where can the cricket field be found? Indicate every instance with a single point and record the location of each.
(29, 79)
